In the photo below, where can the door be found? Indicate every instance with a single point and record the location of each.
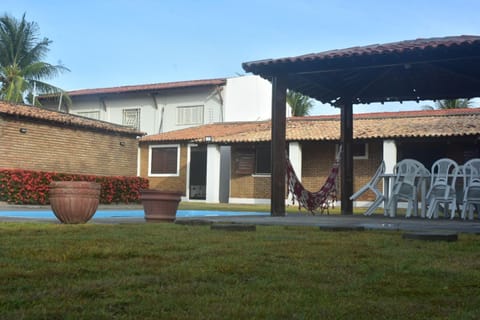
(198, 173)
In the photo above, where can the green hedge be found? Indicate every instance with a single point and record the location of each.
(31, 187)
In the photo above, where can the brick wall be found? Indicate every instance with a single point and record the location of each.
(318, 158)
(248, 185)
(165, 183)
(317, 161)
(364, 169)
(50, 147)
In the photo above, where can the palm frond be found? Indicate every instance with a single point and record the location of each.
(299, 103)
(21, 65)
(454, 103)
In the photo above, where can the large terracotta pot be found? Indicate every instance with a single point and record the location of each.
(74, 201)
(160, 206)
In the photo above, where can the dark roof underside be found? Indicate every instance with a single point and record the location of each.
(422, 69)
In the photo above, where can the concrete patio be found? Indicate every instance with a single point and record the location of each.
(354, 222)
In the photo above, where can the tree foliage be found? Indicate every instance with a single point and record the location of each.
(454, 104)
(299, 103)
(22, 71)
(450, 104)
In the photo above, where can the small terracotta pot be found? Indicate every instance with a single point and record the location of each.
(74, 201)
(160, 206)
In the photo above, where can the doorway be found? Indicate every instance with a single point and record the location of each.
(198, 173)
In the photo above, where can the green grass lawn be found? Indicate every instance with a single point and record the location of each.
(170, 271)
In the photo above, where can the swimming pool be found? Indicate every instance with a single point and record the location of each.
(105, 214)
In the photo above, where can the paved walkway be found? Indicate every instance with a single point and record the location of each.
(334, 222)
(338, 222)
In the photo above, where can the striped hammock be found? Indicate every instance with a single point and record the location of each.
(312, 200)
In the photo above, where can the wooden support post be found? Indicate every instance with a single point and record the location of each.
(346, 170)
(278, 157)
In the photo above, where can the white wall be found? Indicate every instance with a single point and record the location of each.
(213, 173)
(244, 98)
(149, 115)
(153, 108)
(248, 98)
(208, 98)
(389, 155)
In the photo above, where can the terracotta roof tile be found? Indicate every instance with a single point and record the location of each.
(375, 49)
(216, 130)
(24, 111)
(149, 87)
(383, 125)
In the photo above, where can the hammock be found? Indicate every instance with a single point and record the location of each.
(313, 200)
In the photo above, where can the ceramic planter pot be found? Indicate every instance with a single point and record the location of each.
(74, 201)
(160, 206)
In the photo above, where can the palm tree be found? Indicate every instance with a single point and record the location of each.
(300, 104)
(450, 104)
(21, 67)
(454, 104)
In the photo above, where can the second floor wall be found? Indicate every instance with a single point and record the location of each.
(244, 98)
(151, 112)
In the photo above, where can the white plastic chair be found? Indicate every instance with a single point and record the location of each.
(372, 185)
(471, 194)
(442, 187)
(460, 187)
(408, 173)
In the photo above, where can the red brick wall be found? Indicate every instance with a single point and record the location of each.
(49, 147)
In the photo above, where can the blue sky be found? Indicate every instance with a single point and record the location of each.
(107, 43)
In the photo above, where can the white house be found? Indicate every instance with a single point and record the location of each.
(162, 107)
(424, 135)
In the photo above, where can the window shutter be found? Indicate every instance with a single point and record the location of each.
(164, 160)
(263, 163)
(245, 162)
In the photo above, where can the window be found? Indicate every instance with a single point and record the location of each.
(359, 150)
(164, 160)
(131, 118)
(90, 114)
(189, 115)
(211, 116)
(263, 164)
(244, 161)
(253, 160)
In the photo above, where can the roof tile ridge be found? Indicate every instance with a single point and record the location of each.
(394, 114)
(146, 85)
(55, 116)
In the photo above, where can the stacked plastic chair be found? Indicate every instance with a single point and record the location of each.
(408, 175)
(471, 193)
(442, 187)
(372, 186)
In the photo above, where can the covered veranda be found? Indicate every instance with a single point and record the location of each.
(412, 70)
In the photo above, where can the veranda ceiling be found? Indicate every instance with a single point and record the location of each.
(421, 69)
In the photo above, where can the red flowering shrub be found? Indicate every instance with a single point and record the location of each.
(31, 187)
